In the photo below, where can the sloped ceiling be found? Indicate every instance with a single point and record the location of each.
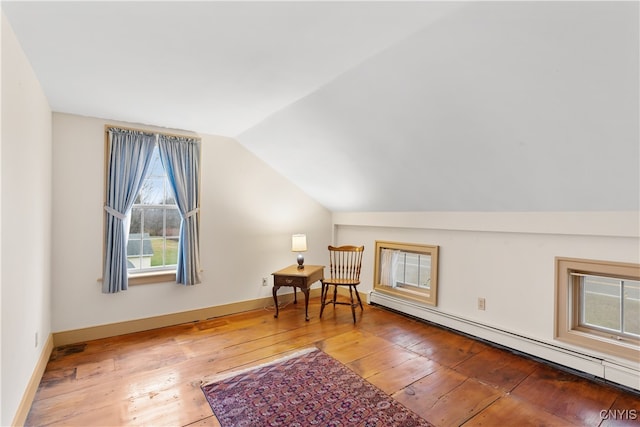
(371, 106)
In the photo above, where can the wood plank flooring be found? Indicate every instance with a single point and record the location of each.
(153, 378)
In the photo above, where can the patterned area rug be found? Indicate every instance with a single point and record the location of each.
(309, 388)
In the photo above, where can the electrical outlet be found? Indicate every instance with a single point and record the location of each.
(481, 304)
(36, 339)
(264, 281)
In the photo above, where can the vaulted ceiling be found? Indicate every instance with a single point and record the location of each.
(371, 106)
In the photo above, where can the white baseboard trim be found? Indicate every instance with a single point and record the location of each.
(137, 325)
(590, 364)
(34, 382)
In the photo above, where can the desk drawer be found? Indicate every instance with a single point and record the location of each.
(288, 281)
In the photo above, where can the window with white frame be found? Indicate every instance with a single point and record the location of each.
(598, 305)
(608, 304)
(154, 224)
(413, 270)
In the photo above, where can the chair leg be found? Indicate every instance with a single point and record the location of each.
(324, 294)
(353, 306)
(359, 300)
(323, 297)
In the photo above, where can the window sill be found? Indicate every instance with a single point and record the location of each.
(422, 297)
(155, 277)
(623, 349)
(149, 278)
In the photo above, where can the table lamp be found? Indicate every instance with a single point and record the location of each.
(299, 244)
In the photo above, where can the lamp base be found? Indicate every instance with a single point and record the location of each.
(300, 262)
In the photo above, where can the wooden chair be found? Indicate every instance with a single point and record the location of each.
(344, 270)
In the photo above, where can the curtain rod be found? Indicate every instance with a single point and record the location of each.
(106, 130)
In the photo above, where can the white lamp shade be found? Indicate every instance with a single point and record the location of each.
(299, 243)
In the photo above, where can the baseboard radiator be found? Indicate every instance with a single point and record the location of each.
(589, 365)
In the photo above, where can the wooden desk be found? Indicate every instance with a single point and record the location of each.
(302, 279)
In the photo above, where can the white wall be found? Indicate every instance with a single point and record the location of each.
(507, 258)
(248, 214)
(497, 106)
(26, 223)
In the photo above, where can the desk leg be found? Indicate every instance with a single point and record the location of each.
(306, 303)
(275, 300)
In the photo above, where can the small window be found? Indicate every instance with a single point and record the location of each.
(413, 271)
(155, 224)
(598, 305)
(407, 270)
(609, 304)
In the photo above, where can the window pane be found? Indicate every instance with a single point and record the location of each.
(138, 251)
(632, 307)
(157, 246)
(152, 191)
(173, 223)
(136, 218)
(396, 273)
(172, 251)
(411, 269)
(134, 245)
(601, 302)
(154, 222)
(425, 271)
(155, 168)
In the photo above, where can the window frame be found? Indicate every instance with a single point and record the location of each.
(579, 281)
(428, 296)
(568, 327)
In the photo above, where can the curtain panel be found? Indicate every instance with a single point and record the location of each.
(129, 157)
(181, 160)
(389, 267)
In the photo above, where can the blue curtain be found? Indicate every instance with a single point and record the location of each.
(129, 159)
(181, 160)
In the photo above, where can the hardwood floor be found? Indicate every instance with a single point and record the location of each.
(153, 378)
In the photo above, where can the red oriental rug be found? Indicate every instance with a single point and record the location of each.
(309, 388)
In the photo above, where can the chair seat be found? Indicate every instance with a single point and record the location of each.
(341, 282)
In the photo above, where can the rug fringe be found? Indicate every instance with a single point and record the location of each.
(224, 375)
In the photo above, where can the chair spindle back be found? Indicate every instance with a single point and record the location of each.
(345, 262)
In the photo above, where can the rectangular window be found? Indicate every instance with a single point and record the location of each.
(407, 270)
(598, 305)
(413, 270)
(609, 304)
(155, 224)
